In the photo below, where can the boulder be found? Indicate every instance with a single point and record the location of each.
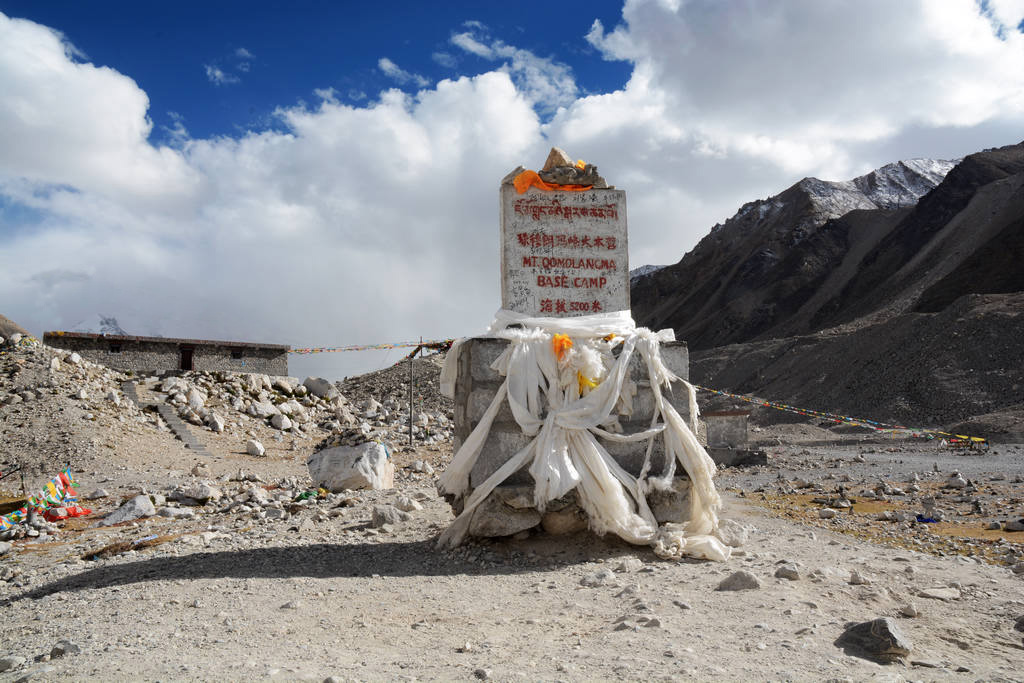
(283, 385)
(879, 639)
(494, 517)
(739, 581)
(280, 421)
(215, 422)
(732, 533)
(388, 514)
(263, 409)
(254, 447)
(320, 387)
(195, 399)
(139, 506)
(365, 466)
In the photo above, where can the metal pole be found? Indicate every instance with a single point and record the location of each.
(411, 356)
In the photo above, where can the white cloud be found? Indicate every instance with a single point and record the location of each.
(374, 220)
(392, 70)
(547, 82)
(244, 54)
(218, 76)
(445, 59)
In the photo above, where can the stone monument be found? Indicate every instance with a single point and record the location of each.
(564, 253)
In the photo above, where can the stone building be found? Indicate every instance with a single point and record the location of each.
(162, 354)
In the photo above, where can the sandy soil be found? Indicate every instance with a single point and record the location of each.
(324, 594)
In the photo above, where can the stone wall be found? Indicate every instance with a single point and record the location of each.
(477, 384)
(154, 356)
(727, 428)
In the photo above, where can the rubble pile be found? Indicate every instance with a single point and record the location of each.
(382, 403)
(45, 394)
(209, 399)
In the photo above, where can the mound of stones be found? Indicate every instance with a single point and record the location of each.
(286, 404)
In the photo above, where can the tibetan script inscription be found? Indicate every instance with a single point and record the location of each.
(564, 253)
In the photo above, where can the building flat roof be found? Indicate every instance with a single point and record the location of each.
(164, 340)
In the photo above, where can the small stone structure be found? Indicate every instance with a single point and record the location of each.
(727, 428)
(727, 439)
(163, 354)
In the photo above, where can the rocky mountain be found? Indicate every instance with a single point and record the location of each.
(895, 295)
(753, 273)
(99, 324)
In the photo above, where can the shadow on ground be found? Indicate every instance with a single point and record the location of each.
(320, 561)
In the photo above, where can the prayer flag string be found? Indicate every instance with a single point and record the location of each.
(856, 421)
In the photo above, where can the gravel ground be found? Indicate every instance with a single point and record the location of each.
(325, 592)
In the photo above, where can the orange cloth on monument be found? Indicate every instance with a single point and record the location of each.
(561, 343)
(528, 179)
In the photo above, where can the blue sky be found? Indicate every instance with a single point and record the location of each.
(324, 174)
(222, 68)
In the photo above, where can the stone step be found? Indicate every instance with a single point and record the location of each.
(181, 430)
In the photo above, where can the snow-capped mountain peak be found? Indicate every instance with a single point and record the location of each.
(99, 324)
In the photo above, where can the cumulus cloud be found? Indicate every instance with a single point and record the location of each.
(392, 70)
(373, 219)
(547, 82)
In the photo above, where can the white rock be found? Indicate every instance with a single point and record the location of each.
(202, 492)
(387, 514)
(826, 513)
(113, 398)
(254, 447)
(280, 421)
(97, 494)
(73, 358)
(81, 394)
(352, 467)
(732, 533)
(139, 506)
(320, 387)
(54, 362)
(263, 409)
(406, 504)
(216, 422)
(195, 399)
(5, 547)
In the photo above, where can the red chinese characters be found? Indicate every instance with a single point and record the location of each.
(571, 241)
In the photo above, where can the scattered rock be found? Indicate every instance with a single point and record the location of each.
(254, 447)
(139, 506)
(880, 640)
(788, 572)
(732, 533)
(739, 581)
(940, 593)
(64, 647)
(388, 514)
(12, 662)
(601, 577)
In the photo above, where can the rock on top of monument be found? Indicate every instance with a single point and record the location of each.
(557, 157)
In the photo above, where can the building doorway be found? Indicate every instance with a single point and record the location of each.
(186, 357)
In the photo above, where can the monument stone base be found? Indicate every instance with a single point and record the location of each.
(512, 502)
